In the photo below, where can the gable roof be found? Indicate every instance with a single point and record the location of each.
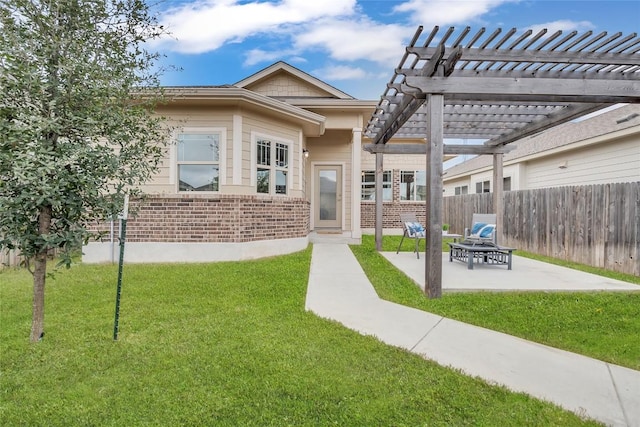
(309, 85)
(624, 119)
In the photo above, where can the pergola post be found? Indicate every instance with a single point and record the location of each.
(498, 195)
(379, 184)
(435, 157)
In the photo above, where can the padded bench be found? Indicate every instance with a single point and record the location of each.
(487, 253)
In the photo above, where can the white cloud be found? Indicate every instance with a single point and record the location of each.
(352, 40)
(438, 12)
(562, 25)
(291, 29)
(204, 26)
(256, 56)
(341, 72)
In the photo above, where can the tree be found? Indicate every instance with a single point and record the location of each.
(78, 89)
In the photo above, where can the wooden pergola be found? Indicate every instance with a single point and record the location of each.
(498, 86)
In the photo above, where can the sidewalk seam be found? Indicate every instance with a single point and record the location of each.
(426, 334)
(615, 388)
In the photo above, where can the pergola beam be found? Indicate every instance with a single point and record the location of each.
(536, 56)
(566, 115)
(515, 89)
(448, 149)
(546, 74)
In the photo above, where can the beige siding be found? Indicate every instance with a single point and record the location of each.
(333, 148)
(615, 161)
(256, 126)
(508, 171)
(286, 85)
(341, 120)
(252, 124)
(395, 161)
(191, 118)
(450, 186)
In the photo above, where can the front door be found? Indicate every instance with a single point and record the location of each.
(328, 196)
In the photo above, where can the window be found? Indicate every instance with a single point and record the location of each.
(369, 186)
(198, 161)
(413, 185)
(463, 189)
(483, 187)
(272, 166)
(506, 184)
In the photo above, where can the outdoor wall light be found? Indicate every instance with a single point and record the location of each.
(305, 153)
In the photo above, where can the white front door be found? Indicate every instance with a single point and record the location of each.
(328, 196)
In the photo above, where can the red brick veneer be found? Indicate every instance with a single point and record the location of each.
(390, 213)
(216, 218)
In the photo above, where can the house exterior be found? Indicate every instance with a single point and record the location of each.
(258, 168)
(599, 150)
(275, 161)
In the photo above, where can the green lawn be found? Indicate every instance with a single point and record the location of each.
(603, 325)
(225, 344)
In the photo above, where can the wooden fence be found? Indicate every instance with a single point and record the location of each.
(13, 259)
(597, 225)
(9, 259)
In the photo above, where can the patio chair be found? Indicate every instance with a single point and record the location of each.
(411, 229)
(482, 231)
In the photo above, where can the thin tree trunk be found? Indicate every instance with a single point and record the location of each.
(39, 276)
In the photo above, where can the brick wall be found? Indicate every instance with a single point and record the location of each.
(390, 213)
(391, 210)
(219, 218)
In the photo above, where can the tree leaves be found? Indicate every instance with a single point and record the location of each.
(76, 133)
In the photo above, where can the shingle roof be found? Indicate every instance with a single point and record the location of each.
(565, 134)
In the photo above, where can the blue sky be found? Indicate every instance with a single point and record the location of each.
(353, 45)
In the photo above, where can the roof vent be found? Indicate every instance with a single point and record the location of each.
(626, 119)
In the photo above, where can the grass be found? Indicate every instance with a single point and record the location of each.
(222, 344)
(603, 325)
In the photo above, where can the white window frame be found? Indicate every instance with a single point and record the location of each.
(506, 180)
(258, 136)
(222, 155)
(414, 192)
(485, 186)
(461, 190)
(385, 185)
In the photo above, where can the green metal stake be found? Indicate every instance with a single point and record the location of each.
(123, 234)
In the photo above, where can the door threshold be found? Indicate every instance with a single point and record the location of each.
(328, 231)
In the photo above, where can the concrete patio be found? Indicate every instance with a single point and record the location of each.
(526, 275)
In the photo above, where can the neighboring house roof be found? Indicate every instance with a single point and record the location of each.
(264, 82)
(625, 119)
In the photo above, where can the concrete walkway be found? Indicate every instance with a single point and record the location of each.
(339, 290)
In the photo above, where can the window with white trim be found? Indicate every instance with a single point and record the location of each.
(463, 189)
(369, 186)
(483, 187)
(198, 161)
(506, 183)
(413, 185)
(272, 166)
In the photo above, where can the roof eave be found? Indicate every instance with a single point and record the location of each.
(313, 124)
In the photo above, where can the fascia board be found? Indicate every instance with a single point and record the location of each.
(241, 96)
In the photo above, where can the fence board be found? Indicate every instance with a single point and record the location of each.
(9, 258)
